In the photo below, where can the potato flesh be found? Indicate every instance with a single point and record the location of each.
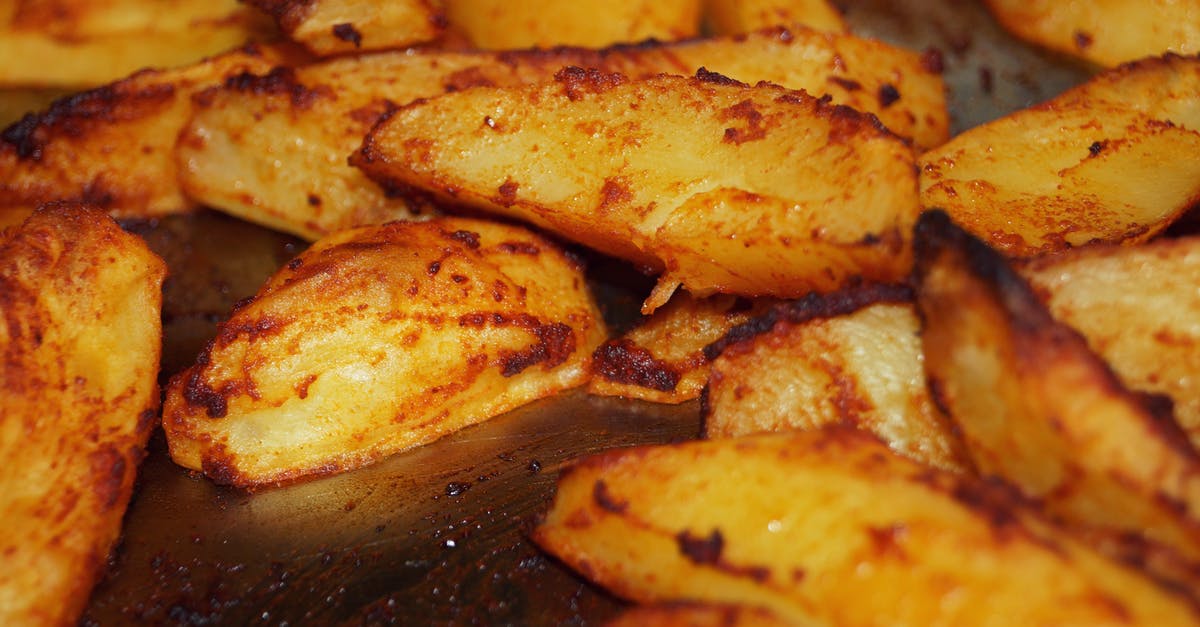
(1138, 308)
(728, 17)
(114, 146)
(610, 163)
(509, 24)
(377, 340)
(824, 364)
(81, 342)
(663, 359)
(1107, 32)
(85, 44)
(1035, 406)
(831, 525)
(1073, 170)
(231, 158)
(328, 27)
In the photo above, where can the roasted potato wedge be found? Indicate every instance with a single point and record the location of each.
(662, 359)
(1137, 307)
(758, 191)
(230, 155)
(1107, 32)
(81, 341)
(852, 358)
(509, 24)
(380, 339)
(1036, 406)
(79, 44)
(1072, 170)
(830, 526)
(728, 17)
(114, 146)
(328, 27)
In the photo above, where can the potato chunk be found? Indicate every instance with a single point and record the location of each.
(1107, 32)
(832, 527)
(1077, 169)
(853, 358)
(756, 191)
(380, 339)
(1138, 307)
(230, 156)
(114, 146)
(1034, 405)
(328, 27)
(740, 16)
(507, 24)
(80, 341)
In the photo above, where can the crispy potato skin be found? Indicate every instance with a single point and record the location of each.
(609, 162)
(1136, 306)
(380, 339)
(229, 155)
(1072, 170)
(831, 525)
(663, 359)
(85, 44)
(329, 27)
(728, 17)
(114, 146)
(853, 358)
(1035, 406)
(80, 345)
(1106, 32)
(509, 24)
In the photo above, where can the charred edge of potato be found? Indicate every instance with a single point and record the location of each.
(288, 14)
(814, 305)
(935, 233)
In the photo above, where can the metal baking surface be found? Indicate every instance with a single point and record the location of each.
(437, 534)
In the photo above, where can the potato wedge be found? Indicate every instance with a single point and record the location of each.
(1035, 406)
(1107, 32)
(1137, 307)
(852, 357)
(509, 24)
(728, 17)
(831, 525)
(75, 44)
(715, 200)
(663, 358)
(1072, 170)
(380, 339)
(231, 157)
(114, 146)
(81, 342)
(328, 27)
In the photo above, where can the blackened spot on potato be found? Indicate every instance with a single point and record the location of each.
(605, 500)
(1083, 40)
(705, 75)
(433, 268)
(701, 550)
(314, 200)
(295, 264)
(71, 115)
(845, 83)
(199, 393)
(1097, 147)
(556, 342)
(280, 81)
(577, 81)
(623, 361)
(520, 248)
(347, 32)
(220, 466)
(888, 95)
(470, 239)
(508, 192)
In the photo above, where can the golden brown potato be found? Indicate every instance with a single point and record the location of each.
(1137, 307)
(508, 24)
(80, 345)
(114, 146)
(85, 43)
(1107, 32)
(380, 339)
(231, 156)
(1035, 406)
(852, 358)
(1074, 170)
(728, 17)
(698, 615)
(756, 191)
(830, 526)
(328, 27)
(662, 359)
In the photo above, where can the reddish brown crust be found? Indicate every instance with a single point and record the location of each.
(578, 82)
(280, 81)
(623, 361)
